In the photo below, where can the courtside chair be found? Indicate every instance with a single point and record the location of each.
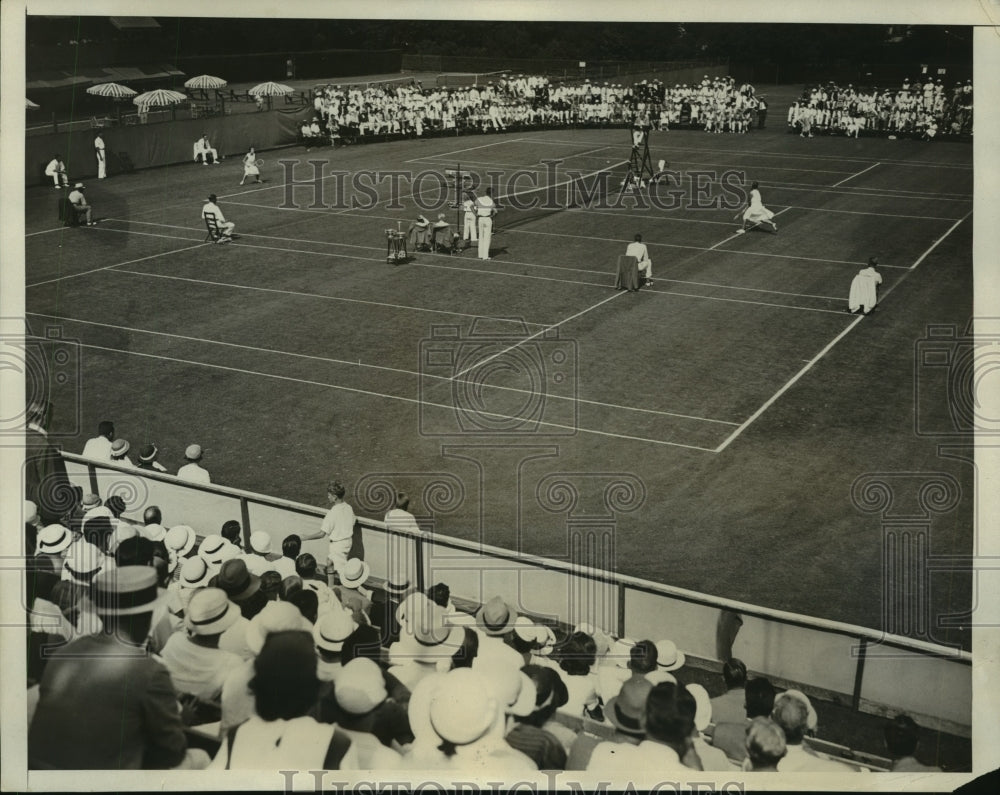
(214, 233)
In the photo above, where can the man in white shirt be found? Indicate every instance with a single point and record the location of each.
(485, 210)
(212, 208)
(192, 471)
(99, 448)
(79, 204)
(102, 163)
(57, 170)
(338, 527)
(204, 148)
(469, 231)
(638, 250)
(794, 714)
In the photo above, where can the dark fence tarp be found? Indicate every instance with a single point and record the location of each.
(163, 144)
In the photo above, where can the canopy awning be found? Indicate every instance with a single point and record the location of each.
(117, 74)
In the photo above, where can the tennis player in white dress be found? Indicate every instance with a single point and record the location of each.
(251, 166)
(756, 213)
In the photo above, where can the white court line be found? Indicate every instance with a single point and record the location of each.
(753, 417)
(848, 179)
(364, 365)
(314, 295)
(467, 149)
(115, 265)
(936, 242)
(369, 393)
(786, 156)
(46, 231)
(737, 234)
(537, 333)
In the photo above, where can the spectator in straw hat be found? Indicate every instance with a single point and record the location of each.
(282, 735)
(180, 540)
(147, 458)
(426, 644)
(258, 558)
(627, 713)
(352, 593)
(361, 703)
(192, 470)
(494, 619)
(51, 546)
(119, 453)
(215, 550)
(330, 632)
(78, 201)
(668, 659)
(464, 714)
(537, 735)
(105, 705)
(84, 562)
(196, 663)
(525, 639)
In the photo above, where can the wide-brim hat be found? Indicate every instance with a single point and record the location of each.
(275, 617)
(668, 656)
(627, 711)
(209, 612)
(260, 542)
(180, 539)
(84, 563)
(119, 448)
(496, 617)
(212, 549)
(125, 591)
(462, 708)
(195, 573)
(154, 532)
(355, 573)
(333, 628)
(53, 538)
(237, 581)
(360, 687)
(91, 501)
(148, 453)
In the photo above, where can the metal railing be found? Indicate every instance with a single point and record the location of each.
(859, 667)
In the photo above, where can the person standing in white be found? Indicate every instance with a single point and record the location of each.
(192, 470)
(338, 527)
(485, 210)
(864, 288)
(102, 163)
(638, 250)
(756, 213)
(469, 209)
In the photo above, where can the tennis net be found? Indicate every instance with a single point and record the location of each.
(463, 79)
(579, 191)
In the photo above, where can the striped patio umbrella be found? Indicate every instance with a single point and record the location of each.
(29, 105)
(159, 97)
(113, 90)
(206, 81)
(271, 89)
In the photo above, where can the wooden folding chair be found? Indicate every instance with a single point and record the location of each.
(214, 233)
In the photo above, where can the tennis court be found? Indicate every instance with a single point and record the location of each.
(737, 388)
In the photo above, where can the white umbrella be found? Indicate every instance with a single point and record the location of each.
(29, 105)
(206, 81)
(271, 89)
(160, 96)
(113, 90)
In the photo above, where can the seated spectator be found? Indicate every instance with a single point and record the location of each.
(203, 149)
(307, 568)
(79, 203)
(418, 235)
(243, 588)
(216, 550)
(51, 545)
(330, 632)
(196, 663)
(99, 448)
(232, 532)
(180, 540)
(97, 530)
(192, 470)
(730, 736)
(282, 735)
(575, 658)
(901, 737)
(627, 713)
(494, 620)
(102, 705)
(351, 591)
(536, 734)
(237, 697)
(711, 758)
(669, 723)
(668, 659)
(795, 715)
(426, 643)
(525, 639)
(291, 548)
(147, 459)
(119, 453)
(467, 718)
(259, 558)
(307, 603)
(57, 170)
(765, 746)
(270, 582)
(84, 561)
(385, 605)
(730, 707)
(399, 517)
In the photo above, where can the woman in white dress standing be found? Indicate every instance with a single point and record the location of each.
(251, 166)
(756, 213)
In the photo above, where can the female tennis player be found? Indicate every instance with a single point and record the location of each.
(251, 166)
(756, 213)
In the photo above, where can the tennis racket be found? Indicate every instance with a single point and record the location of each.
(258, 162)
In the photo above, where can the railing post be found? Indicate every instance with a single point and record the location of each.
(92, 472)
(621, 610)
(245, 516)
(419, 555)
(859, 673)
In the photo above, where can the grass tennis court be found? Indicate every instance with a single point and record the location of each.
(737, 389)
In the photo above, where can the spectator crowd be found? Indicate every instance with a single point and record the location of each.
(916, 110)
(151, 648)
(345, 113)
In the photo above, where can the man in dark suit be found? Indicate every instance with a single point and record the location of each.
(46, 482)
